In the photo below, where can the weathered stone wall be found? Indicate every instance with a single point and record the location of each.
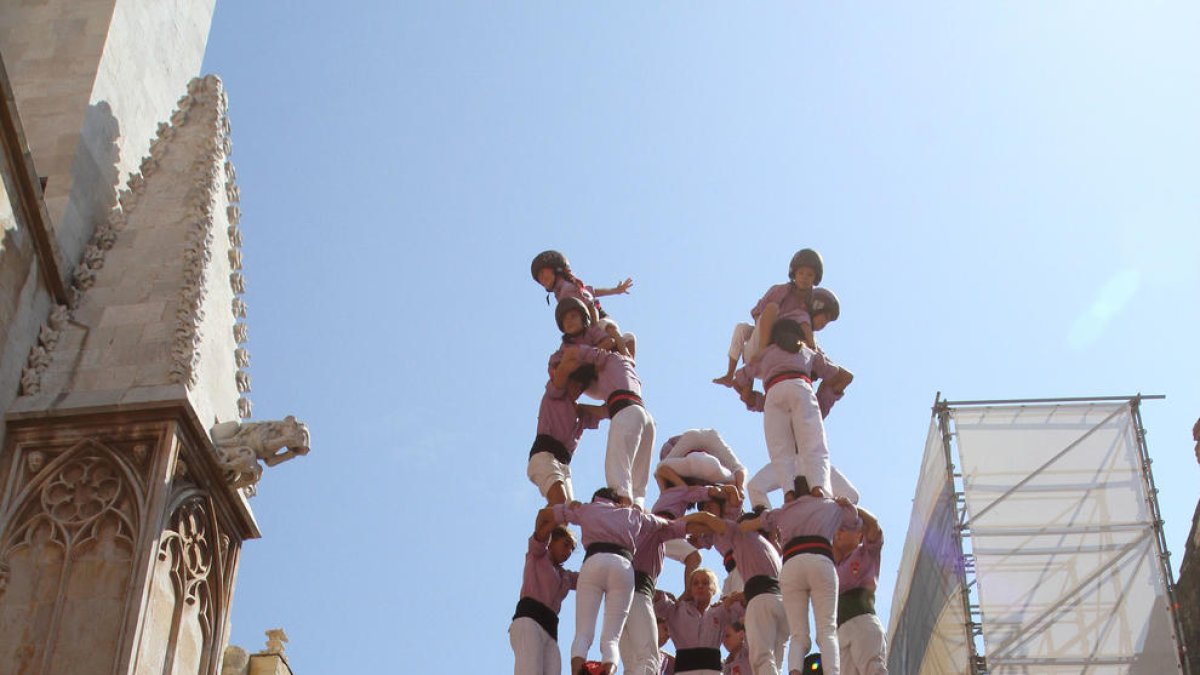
(25, 300)
(93, 79)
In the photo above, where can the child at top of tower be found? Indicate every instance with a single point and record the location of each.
(792, 423)
(795, 300)
(552, 271)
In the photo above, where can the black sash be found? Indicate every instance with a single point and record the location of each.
(697, 658)
(544, 443)
(602, 547)
(728, 561)
(855, 602)
(620, 400)
(807, 544)
(643, 583)
(546, 618)
(758, 585)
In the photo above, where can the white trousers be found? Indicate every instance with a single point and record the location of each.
(764, 482)
(630, 447)
(744, 344)
(606, 576)
(536, 652)
(766, 633)
(733, 583)
(700, 465)
(863, 646)
(796, 435)
(810, 578)
(639, 640)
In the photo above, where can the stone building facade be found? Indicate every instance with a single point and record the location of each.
(127, 456)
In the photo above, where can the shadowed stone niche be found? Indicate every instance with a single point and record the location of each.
(119, 542)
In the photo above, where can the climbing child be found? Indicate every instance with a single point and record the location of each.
(552, 271)
(791, 300)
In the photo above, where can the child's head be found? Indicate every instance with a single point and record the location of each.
(734, 637)
(606, 493)
(572, 316)
(562, 544)
(703, 585)
(547, 266)
(825, 308)
(664, 630)
(787, 335)
(806, 268)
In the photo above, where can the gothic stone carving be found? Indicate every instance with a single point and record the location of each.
(241, 445)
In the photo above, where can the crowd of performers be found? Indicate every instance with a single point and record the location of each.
(818, 550)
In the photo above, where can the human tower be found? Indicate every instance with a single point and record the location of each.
(818, 550)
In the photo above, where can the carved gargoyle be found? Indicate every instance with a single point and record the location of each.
(241, 445)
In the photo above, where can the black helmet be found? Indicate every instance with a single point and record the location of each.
(805, 257)
(552, 259)
(567, 304)
(824, 301)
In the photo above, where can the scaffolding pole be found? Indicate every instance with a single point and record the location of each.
(1160, 539)
(966, 568)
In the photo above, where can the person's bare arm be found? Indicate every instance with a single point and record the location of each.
(751, 524)
(667, 477)
(705, 520)
(544, 524)
(570, 361)
(840, 380)
(621, 288)
(871, 530)
(619, 345)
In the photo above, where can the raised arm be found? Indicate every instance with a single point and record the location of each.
(544, 524)
(621, 288)
(871, 530)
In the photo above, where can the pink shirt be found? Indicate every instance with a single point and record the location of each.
(810, 516)
(651, 545)
(793, 303)
(675, 500)
(605, 522)
(737, 664)
(690, 628)
(860, 569)
(754, 555)
(559, 419)
(563, 288)
(775, 361)
(544, 581)
(614, 371)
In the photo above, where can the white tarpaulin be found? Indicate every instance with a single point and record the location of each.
(1064, 540)
(927, 629)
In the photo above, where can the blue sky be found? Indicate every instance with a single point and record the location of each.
(1005, 197)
